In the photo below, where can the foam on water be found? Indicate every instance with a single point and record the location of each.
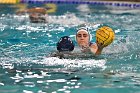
(53, 61)
(63, 19)
(53, 19)
(131, 11)
(83, 8)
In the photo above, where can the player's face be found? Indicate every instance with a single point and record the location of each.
(82, 37)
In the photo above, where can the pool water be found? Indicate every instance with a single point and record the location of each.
(24, 48)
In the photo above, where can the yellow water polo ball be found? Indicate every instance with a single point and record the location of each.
(105, 36)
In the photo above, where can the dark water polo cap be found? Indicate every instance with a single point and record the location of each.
(65, 44)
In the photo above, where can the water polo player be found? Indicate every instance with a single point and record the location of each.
(65, 46)
(104, 37)
(83, 38)
(36, 14)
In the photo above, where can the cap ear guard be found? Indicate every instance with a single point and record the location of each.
(86, 29)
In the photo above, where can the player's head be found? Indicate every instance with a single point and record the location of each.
(83, 36)
(65, 44)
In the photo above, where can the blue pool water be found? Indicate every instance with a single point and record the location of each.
(24, 47)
